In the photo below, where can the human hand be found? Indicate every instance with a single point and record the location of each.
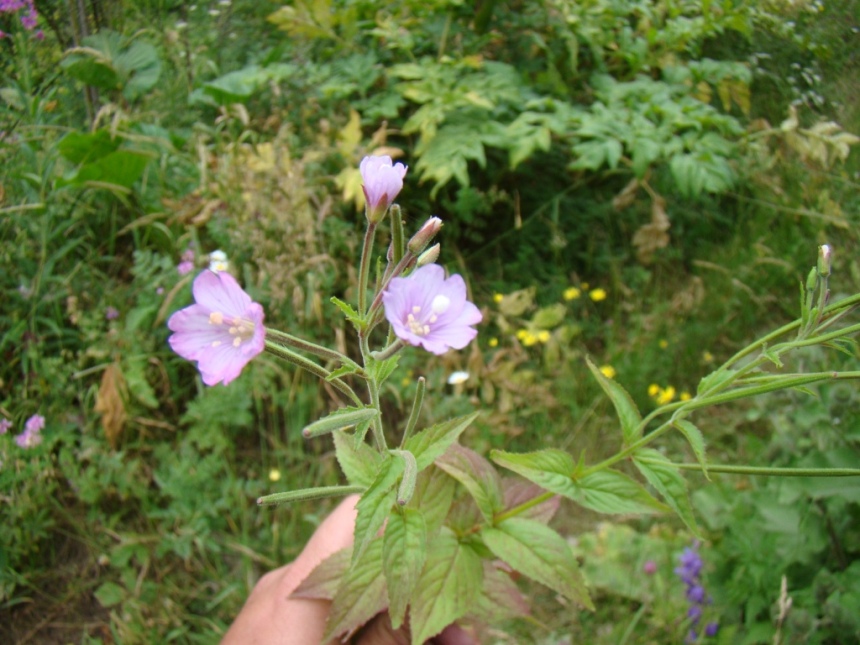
(272, 617)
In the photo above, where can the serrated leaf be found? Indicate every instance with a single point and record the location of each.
(431, 443)
(343, 370)
(381, 370)
(350, 313)
(535, 550)
(323, 582)
(500, 597)
(625, 408)
(478, 477)
(609, 491)
(360, 463)
(449, 584)
(434, 494)
(404, 554)
(667, 481)
(605, 491)
(360, 596)
(697, 442)
(375, 504)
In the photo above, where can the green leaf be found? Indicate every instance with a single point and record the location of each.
(381, 370)
(80, 147)
(308, 493)
(500, 598)
(119, 168)
(697, 442)
(449, 584)
(404, 554)
(350, 313)
(604, 491)
(518, 492)
(478, 477)
(671, 485)
(360, 596)
(628, 413)
(359, 463)
(343, 370)
(535, 550)
(375, 504)
(431, 443)
(110, 594)
(609, 491)
(323, 582)
(550, 469)
(434, 494)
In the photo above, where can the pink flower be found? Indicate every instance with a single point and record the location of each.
(429, 310)
(185, 267)
(5, 425)
(34, 423)
(32, 435)
(111, 313)
(383, 180)
(222, 331)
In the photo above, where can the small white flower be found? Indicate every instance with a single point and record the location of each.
(218, 261)
(458, 377)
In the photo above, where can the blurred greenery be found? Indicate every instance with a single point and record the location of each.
(644, 182)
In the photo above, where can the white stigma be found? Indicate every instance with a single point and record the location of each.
(440, 304)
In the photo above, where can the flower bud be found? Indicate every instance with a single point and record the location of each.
(825, 260)
(429, 256)
(424, 236)
(382, 181)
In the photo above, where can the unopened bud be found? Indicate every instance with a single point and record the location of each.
(424, 236)
(825, 260)
(812, 280)
(429, 256)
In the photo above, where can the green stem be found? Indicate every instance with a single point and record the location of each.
(308, 494)
(522, 508)
(766, 471)
(313, 368)
(416, 410)
(364, 267)
(312, 348)
(373, 391)
(389, 351)
(397, 242)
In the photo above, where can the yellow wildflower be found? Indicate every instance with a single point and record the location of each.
(274, 475)
(654, 390)
(608, 371)
(493, 342)
(543, 335)
(522, 333)
(529, 339)
(597, 294)
(571, 293)
(707, 357)
(497, 298)
(666, 396)
(685, 396)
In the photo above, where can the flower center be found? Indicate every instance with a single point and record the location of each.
(420, 325)
(239, 328)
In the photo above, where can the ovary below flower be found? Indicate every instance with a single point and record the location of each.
(430, 310)
(222, 331)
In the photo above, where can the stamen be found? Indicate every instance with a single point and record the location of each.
(237, 341)
(216, 318)
(233, 331)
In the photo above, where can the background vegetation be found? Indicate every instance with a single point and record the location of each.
(642, 181)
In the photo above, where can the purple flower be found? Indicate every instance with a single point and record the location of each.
(711, 629)
(650, 567)
(382, 181)
(34, 423)
(696, 593)
(222, 331)
(111, 313)
(32, 435)
(429, 310)
(185, 267)
(5, 425)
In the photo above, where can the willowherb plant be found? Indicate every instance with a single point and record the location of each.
(449, 517)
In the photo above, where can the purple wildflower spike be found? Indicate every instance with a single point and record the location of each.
(429, 310)
(222, 331)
